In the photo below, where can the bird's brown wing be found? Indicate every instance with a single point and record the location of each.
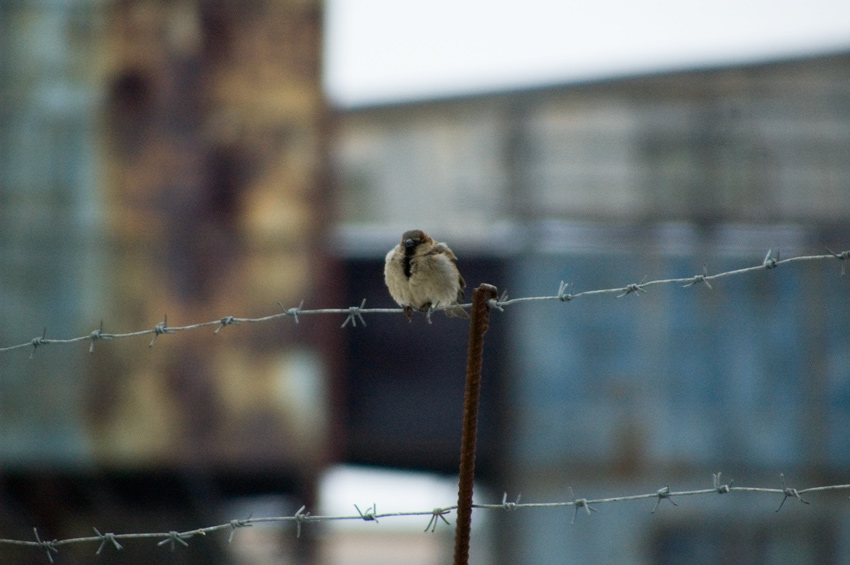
(444, 249)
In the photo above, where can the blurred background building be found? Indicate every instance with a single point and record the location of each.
(601, 184)
(162, 161)
(180, 160)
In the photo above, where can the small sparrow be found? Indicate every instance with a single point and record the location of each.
(422, 274)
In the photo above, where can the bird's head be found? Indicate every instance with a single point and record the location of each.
(413, 239)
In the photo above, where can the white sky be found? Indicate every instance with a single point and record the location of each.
(391, 50)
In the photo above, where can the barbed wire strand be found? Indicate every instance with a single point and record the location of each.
(354, 314)
(172, 539)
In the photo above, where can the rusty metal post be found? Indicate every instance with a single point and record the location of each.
(478, 324)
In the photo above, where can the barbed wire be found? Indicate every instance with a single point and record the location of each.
(174, 538)
(354, 314)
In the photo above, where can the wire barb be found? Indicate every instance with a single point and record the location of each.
(370, 515)
(97, 335)
(700, 279)
(236, 524)
(300, 517)
(580, 503)
(355, 313)
(436, 515)
(48, 546)
(105, 539)
(38, 341)
(175, 537)
(789, 493)
(721, 488)
(510, 506)
(563, 296)
(159, 329)
(634, 289)
(662, 494)
(770, 262)
(495, 303)
(226, 321)
(293, 312)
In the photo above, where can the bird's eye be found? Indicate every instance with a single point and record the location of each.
(409, 242)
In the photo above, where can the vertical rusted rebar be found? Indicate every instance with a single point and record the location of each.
(478, 324)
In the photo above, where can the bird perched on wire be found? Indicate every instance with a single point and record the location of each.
(422, 274)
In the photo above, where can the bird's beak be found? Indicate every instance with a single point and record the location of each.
(409, 243)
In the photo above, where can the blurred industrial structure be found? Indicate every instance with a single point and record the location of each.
(161, 160)
(169, 159)
(600, 185)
